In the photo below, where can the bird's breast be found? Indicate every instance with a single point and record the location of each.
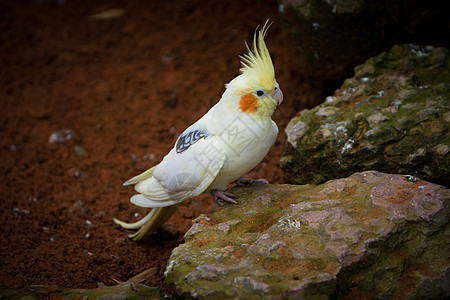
(244, 142)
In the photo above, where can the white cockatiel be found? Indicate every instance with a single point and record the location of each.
(227, 142)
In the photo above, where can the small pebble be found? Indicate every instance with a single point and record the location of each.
(79, 150)
(62, 136)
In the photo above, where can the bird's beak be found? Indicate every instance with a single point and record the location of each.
(277, 94)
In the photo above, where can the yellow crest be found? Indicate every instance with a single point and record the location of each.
(257, 66)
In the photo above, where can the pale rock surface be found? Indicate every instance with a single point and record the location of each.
(369, 235)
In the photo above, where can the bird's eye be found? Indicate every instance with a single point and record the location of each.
(259, 93)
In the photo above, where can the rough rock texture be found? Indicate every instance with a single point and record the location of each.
(327, 38)
(120, 291)
(369, 235)
(392, 116)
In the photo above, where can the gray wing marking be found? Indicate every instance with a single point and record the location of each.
(189, 138)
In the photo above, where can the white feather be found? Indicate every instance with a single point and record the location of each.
(142, 201)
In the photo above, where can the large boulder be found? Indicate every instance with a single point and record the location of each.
(392, 116)
(327, 38)
(370, 235)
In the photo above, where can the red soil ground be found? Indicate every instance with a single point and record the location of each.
(127, 87)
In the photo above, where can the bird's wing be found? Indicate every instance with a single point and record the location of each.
(141, 177)
(189, 137)
(185, 172)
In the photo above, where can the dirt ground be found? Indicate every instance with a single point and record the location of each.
(127, 87)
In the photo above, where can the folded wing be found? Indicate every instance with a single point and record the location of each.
(181, 175)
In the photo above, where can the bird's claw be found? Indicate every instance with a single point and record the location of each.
(225, 196)
(246, 181)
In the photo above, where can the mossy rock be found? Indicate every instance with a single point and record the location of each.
(392, 116)
(371, 235)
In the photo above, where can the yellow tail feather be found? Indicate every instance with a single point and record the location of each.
(150, 223)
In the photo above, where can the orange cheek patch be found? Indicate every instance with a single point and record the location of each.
(248, 103)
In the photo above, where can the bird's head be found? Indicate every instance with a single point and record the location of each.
(256, 90)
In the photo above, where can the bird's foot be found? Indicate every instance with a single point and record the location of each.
(225, 196)
(246, 181)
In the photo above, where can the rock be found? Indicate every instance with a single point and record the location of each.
(370, 234)
(62, 136)
(392, 116)
(79, 150)
(120, 291)
(326, 39)
(107, 15)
